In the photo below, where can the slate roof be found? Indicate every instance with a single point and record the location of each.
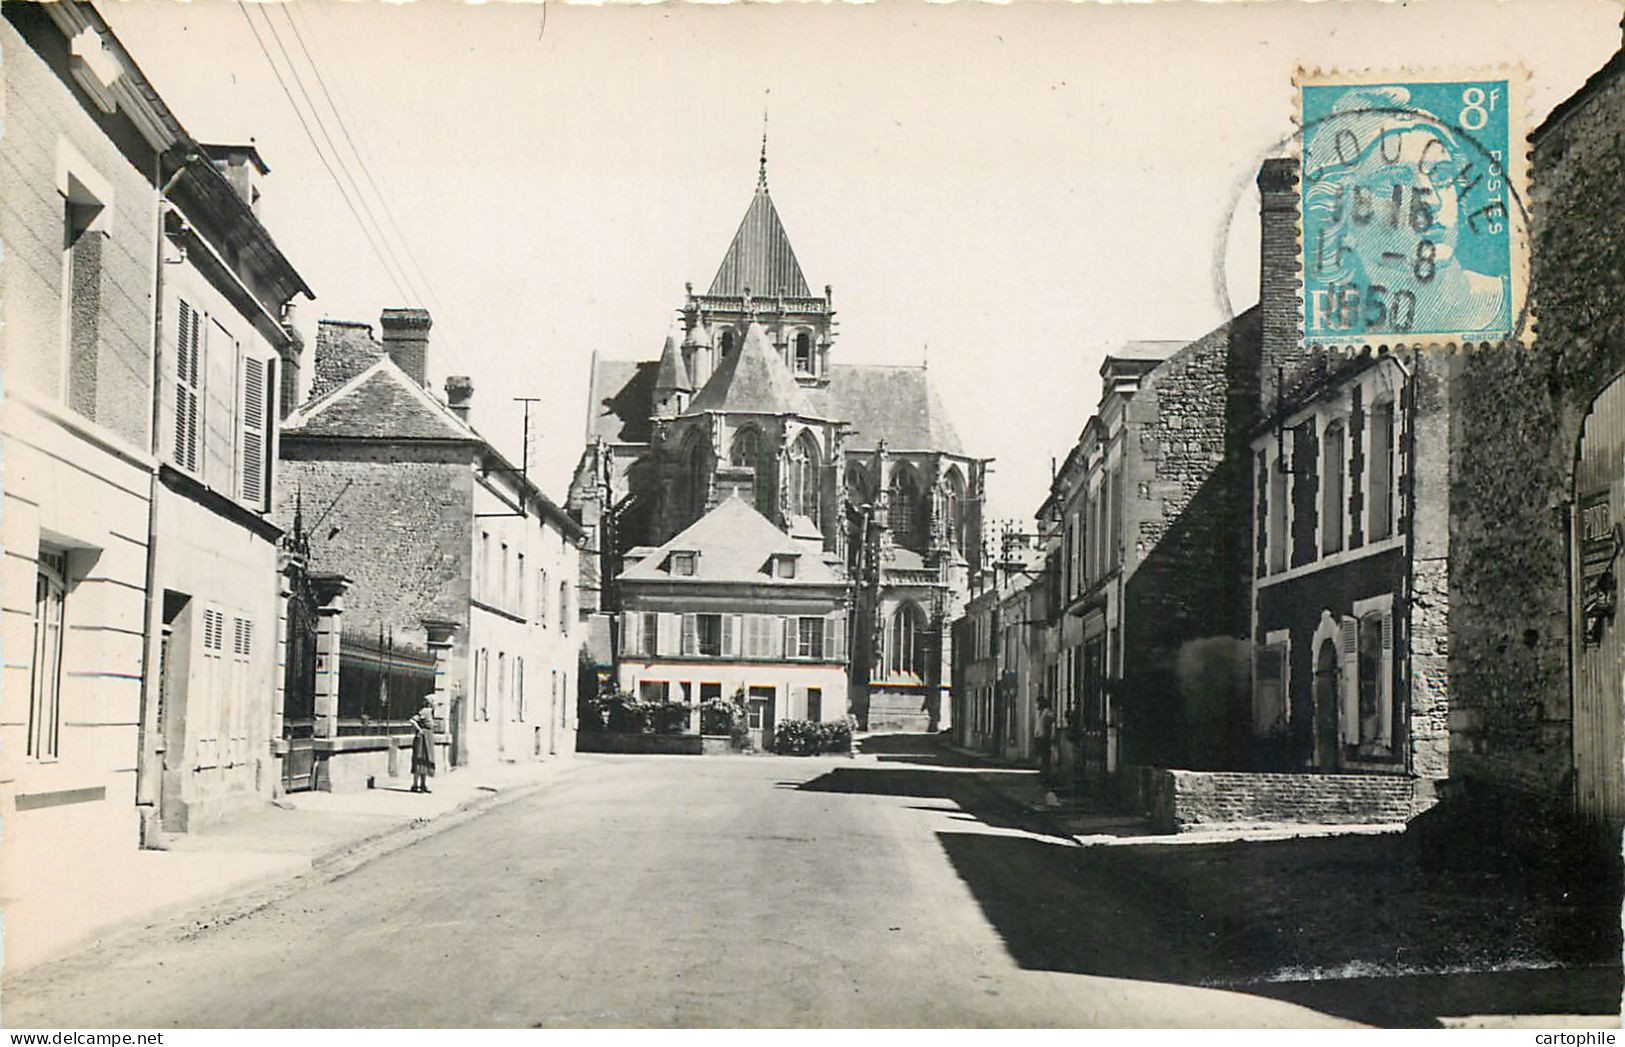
(735, 543)
(380, 403)
(671, 375)
(760, 256)
(878, 401)
(753, 379)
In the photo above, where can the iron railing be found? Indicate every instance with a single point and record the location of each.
(382, 683)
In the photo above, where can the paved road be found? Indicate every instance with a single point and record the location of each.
(670, 891)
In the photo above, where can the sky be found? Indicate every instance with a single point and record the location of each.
(1004, 192)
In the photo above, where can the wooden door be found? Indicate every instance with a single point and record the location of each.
(1598, 642)
(759, 710)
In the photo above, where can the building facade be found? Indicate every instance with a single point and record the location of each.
(438, 544)
(861, 461)
(733, 608)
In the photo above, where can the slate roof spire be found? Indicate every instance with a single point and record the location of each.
(760, 257)
(672, 376)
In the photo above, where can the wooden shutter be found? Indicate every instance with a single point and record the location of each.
(690, 632)
(207, 710)
(733, 625)
(631, 632)
(1348, 720)
(831, 631)
(254, 419)
(242, 649)
(1385, 688)
(668, 630)
(788, 635)
(837, 650)
(187, 388)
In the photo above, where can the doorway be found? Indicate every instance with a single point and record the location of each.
(759, 716)
(1598, 657)
(1326, 679)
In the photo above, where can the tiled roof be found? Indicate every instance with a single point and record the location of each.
(753, 379)
(897, 404)
(381, 403)
(760, 256)
(735, 543)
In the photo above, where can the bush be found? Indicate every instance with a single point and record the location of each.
(719, 716)
(810, 737)
(624, 713)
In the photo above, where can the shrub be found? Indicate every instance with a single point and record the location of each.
(718, 716)
(624, 713)
(809, 737)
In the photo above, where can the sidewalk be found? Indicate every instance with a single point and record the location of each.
(56, 908)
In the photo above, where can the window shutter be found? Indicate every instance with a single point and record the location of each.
(774, 634)
(631, 632)
(254, 417)
(732, 625)
(669, 629)
(831, 631)
(1348, 720)
(187, 370)
(787, 636)
(690, 645)
(1385, 699)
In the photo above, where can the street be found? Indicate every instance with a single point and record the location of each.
(671, 891)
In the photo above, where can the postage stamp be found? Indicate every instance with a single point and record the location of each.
(1413, 215)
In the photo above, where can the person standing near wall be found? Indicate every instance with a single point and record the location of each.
(1045, 739)
(423, 748)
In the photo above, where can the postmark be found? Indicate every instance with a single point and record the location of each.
(1413, 228)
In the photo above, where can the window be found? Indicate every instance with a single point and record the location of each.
(725, 343)
(747, 448)
(521, 604)
(502, 577)
(860, 490)
(1278, 515)
(810, 638)
(804, 476)
(541, 597)
(45, 684)
(653, 690)
(710, 692)
(708, 635)
(502, 683)
(482, 568)
(804, 353)
(518, 688)
(907, 654)
(1331, 507)
(784, 566)
(953, 509)
(651, 634)
(682, 564)
(564, 607)
(904, 515)
(1381, 464)
(815, 703)
(188, 389)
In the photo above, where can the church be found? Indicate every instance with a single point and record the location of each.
(858, 464)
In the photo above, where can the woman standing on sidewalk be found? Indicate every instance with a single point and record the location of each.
(423, 748)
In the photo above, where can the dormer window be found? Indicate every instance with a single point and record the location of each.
(682, 564)
(784, 565)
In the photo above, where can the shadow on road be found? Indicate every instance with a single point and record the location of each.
(963, 788)
(926, 750)
(1231, 915)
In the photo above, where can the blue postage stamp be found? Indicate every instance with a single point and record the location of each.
(1412, 209)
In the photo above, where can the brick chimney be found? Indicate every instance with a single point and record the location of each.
(1280, 283)
(460, 395)
(406, 340)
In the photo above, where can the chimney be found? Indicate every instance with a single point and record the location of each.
(1280, 292)
(406, 340)
(460, 395)
(243, 167)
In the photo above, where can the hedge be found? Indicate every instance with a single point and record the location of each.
(810, 737)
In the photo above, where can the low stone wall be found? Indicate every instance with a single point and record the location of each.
(353, 762)
(664, 744)
(1180, 801)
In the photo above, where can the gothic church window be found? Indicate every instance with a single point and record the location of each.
(905, 515)
(953, 510)
(804, 476)
(906, 656)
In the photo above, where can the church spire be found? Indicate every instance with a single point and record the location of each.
(761, 170)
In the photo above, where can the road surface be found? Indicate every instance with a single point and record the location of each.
(881, 891)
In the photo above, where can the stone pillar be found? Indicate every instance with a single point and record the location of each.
(330, 591)
(279, 674)
(440, 634)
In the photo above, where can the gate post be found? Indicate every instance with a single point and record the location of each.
(440, 633)
(330, 590)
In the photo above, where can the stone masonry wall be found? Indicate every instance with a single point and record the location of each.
(398, 527)
(1184, 800)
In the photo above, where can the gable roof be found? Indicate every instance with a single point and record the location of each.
(735, 543)
(753, 379)
(382, 402)
(760, 256)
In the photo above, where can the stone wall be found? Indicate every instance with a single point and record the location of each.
(1181, 801)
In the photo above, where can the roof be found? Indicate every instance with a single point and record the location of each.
(735, 544)
(753, 379)
(1148, 349)
(1614, 67)
(895, 404)
(671, 374)
(343, 350)
(880, 402)
(381, 402)
(760, 256)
